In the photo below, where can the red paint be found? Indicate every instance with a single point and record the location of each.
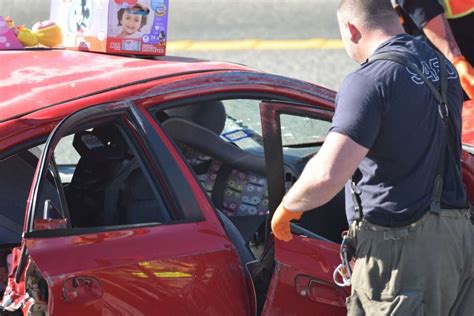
(467, 159)
(33, 79)
(176, 269)
(468, 123)
(298, 263)
(467, 163)
(15, 292)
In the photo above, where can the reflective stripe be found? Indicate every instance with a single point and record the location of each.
(458, 8)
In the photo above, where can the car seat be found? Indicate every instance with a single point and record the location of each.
(108, 186)
(100, 157)
(234, 179)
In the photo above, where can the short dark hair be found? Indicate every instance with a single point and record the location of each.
(136, 7)
(375, 14)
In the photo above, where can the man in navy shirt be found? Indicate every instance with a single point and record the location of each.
(410, 260)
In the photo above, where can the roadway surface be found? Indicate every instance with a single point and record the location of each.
(286, 37)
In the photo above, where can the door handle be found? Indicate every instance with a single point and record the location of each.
(81, 288)
(320, 291)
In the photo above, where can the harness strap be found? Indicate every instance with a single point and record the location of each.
(218, 192)
(441, 97)
(355, 193)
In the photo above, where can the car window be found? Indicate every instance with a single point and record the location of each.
(16, 176)
(301, 137)
(243, 126)
(67, 158)
(101, 181)
(302, 130)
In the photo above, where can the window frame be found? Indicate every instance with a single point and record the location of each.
(131, 126)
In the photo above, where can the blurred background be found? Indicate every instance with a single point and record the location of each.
(294, 38)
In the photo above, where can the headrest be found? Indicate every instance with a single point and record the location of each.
(210, 115)
(105, 139)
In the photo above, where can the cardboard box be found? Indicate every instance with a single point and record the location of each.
(113, 26)
(8, 38)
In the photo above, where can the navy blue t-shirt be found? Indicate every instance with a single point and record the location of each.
(386, 108)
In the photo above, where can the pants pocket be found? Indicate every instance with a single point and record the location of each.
(411, 303)
(354, 306)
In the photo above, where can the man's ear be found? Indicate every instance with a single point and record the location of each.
(353, 31)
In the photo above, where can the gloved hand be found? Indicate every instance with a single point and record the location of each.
(466, 75)
(281, 222)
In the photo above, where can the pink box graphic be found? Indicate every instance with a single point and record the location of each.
(8, 39)
(114, 26)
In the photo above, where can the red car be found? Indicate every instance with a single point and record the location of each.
(145, 186)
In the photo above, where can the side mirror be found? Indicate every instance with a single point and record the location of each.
(52, 218)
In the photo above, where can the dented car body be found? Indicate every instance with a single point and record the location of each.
(143, 186)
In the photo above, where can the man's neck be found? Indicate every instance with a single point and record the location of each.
(374, 40)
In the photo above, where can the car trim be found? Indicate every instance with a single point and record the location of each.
(21, 147)
(157, 146)
(119, 109)
(99, 229)
(240, 78)
(160, 183)
(65, 124)
(213, 96)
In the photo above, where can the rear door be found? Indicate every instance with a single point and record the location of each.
(302, 282)
(128, 231)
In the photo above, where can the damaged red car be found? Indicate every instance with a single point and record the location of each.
(143, 186)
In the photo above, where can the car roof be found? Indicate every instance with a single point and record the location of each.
(33, 79)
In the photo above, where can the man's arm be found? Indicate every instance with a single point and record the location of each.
(326, 173)
(438, 31)
(322, 178)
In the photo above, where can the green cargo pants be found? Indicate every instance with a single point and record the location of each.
(425, 268)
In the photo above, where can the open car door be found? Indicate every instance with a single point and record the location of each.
(116, 238)
(302, 282)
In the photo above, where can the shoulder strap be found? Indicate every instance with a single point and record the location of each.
(441, 97)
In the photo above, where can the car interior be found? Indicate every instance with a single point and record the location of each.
(235, 178)
(108, 186)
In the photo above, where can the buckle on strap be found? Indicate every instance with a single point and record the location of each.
(443, 110)
(344, 269)
(355, 201)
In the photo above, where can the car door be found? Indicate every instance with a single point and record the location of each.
(129, 233)
(302, 282)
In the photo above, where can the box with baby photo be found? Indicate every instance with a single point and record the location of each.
(115, 26)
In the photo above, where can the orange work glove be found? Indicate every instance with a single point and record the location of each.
(466, 75)
(281, 222)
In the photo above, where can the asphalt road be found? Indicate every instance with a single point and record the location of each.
(224, 20)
